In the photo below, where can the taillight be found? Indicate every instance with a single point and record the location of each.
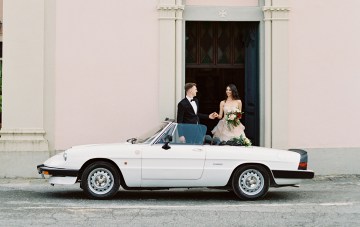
(302, 166)
(303, 158)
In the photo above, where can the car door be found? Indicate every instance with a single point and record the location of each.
(181, 161)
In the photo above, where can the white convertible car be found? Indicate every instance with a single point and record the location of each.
(162, 160)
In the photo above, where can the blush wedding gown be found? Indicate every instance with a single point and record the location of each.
(223, 132)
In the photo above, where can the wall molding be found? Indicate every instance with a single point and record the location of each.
(22, 134)
(274, 13)
(171, 12)
(14, 140)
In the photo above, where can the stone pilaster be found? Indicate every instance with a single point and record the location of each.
(276, 73)
(22, 142)
(170, 26)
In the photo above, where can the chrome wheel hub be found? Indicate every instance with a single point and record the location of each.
(251, 182)
(100, 181)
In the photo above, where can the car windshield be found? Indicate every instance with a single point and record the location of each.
(151, 134)
(193, 134)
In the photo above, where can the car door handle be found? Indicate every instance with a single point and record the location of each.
(197, 149)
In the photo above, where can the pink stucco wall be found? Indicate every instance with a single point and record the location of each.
(1, 10)
(324, 73)
(106, 70)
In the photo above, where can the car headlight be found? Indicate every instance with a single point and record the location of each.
(65, 156)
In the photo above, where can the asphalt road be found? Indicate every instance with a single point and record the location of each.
(324, 201)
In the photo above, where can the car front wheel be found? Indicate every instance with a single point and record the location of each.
(251, 182)
(100, 180)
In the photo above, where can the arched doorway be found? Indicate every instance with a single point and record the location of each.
(220, 53)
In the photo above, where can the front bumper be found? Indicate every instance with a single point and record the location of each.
(60, 172)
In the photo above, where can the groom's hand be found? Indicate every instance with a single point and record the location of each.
(213, 115)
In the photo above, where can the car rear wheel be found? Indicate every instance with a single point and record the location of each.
(251, 182)
(100, 180)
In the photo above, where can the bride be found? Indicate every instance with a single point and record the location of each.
(222, 130)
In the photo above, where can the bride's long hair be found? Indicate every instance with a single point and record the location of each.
(234, 92)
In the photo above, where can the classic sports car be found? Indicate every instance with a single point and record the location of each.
(164, 159)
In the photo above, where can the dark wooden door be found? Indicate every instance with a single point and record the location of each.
(220, 53)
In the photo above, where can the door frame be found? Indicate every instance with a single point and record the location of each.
(236, 14)
(273, 17)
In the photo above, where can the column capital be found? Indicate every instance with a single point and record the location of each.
(276, 13)
(170, 12)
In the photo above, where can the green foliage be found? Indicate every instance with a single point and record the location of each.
(241, 141)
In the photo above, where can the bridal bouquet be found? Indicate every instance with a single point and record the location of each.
(233, 117)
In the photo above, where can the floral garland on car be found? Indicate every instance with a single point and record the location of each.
(242, 141)
(238, 141)
(232, 118)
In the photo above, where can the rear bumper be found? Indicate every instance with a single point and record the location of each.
(297, 174)
(42, 169)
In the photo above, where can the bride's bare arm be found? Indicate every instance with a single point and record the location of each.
(239, 104)
(221, 112)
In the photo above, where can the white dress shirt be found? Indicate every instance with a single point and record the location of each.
(193, 104)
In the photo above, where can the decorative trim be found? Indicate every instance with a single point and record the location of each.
(223, 13)
(171, 12)
(276, 13)
(22, 134)
(171, 7)
(23, 140)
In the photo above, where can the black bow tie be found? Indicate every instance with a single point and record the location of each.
(192, 100)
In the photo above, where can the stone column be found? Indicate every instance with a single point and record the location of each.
(276, 33)
(167, 16)
(267, 76)
(170, 79)
(179, 51)
(22, 142)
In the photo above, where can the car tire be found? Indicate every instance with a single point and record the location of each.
(100, 180)
(250, 182)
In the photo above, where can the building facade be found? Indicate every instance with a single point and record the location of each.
(78, 72)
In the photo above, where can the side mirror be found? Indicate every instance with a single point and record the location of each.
(131, 140)
(167, 140)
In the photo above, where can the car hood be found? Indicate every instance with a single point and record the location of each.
(100, 145)
(100, 148)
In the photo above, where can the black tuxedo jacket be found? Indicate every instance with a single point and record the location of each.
(186, 114)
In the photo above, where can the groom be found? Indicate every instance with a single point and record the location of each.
(188, 109)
